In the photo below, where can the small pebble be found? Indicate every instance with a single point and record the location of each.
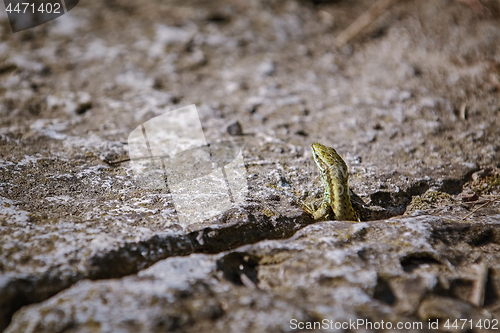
(234, 128)
(468, 196)
(80, 104)
(479, 174)
(266, 68)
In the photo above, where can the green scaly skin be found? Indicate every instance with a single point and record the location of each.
(336, 204)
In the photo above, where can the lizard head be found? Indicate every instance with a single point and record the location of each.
(327, 158)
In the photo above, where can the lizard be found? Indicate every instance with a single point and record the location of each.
(336, 202)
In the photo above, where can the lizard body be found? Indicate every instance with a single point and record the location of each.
(336, 202)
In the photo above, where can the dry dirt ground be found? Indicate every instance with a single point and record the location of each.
(412, 104)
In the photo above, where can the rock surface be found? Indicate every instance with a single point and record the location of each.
(402, 271)
(412, 105)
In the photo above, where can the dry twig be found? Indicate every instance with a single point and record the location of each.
(363, 21)
(479, 286)
(474, 4)
(378, 9)
(116, 162)
(495, 199)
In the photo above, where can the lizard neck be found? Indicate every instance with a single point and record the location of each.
(327, 188)
(341, 203)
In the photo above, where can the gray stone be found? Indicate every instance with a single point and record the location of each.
(399, 270)
(234, 128)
